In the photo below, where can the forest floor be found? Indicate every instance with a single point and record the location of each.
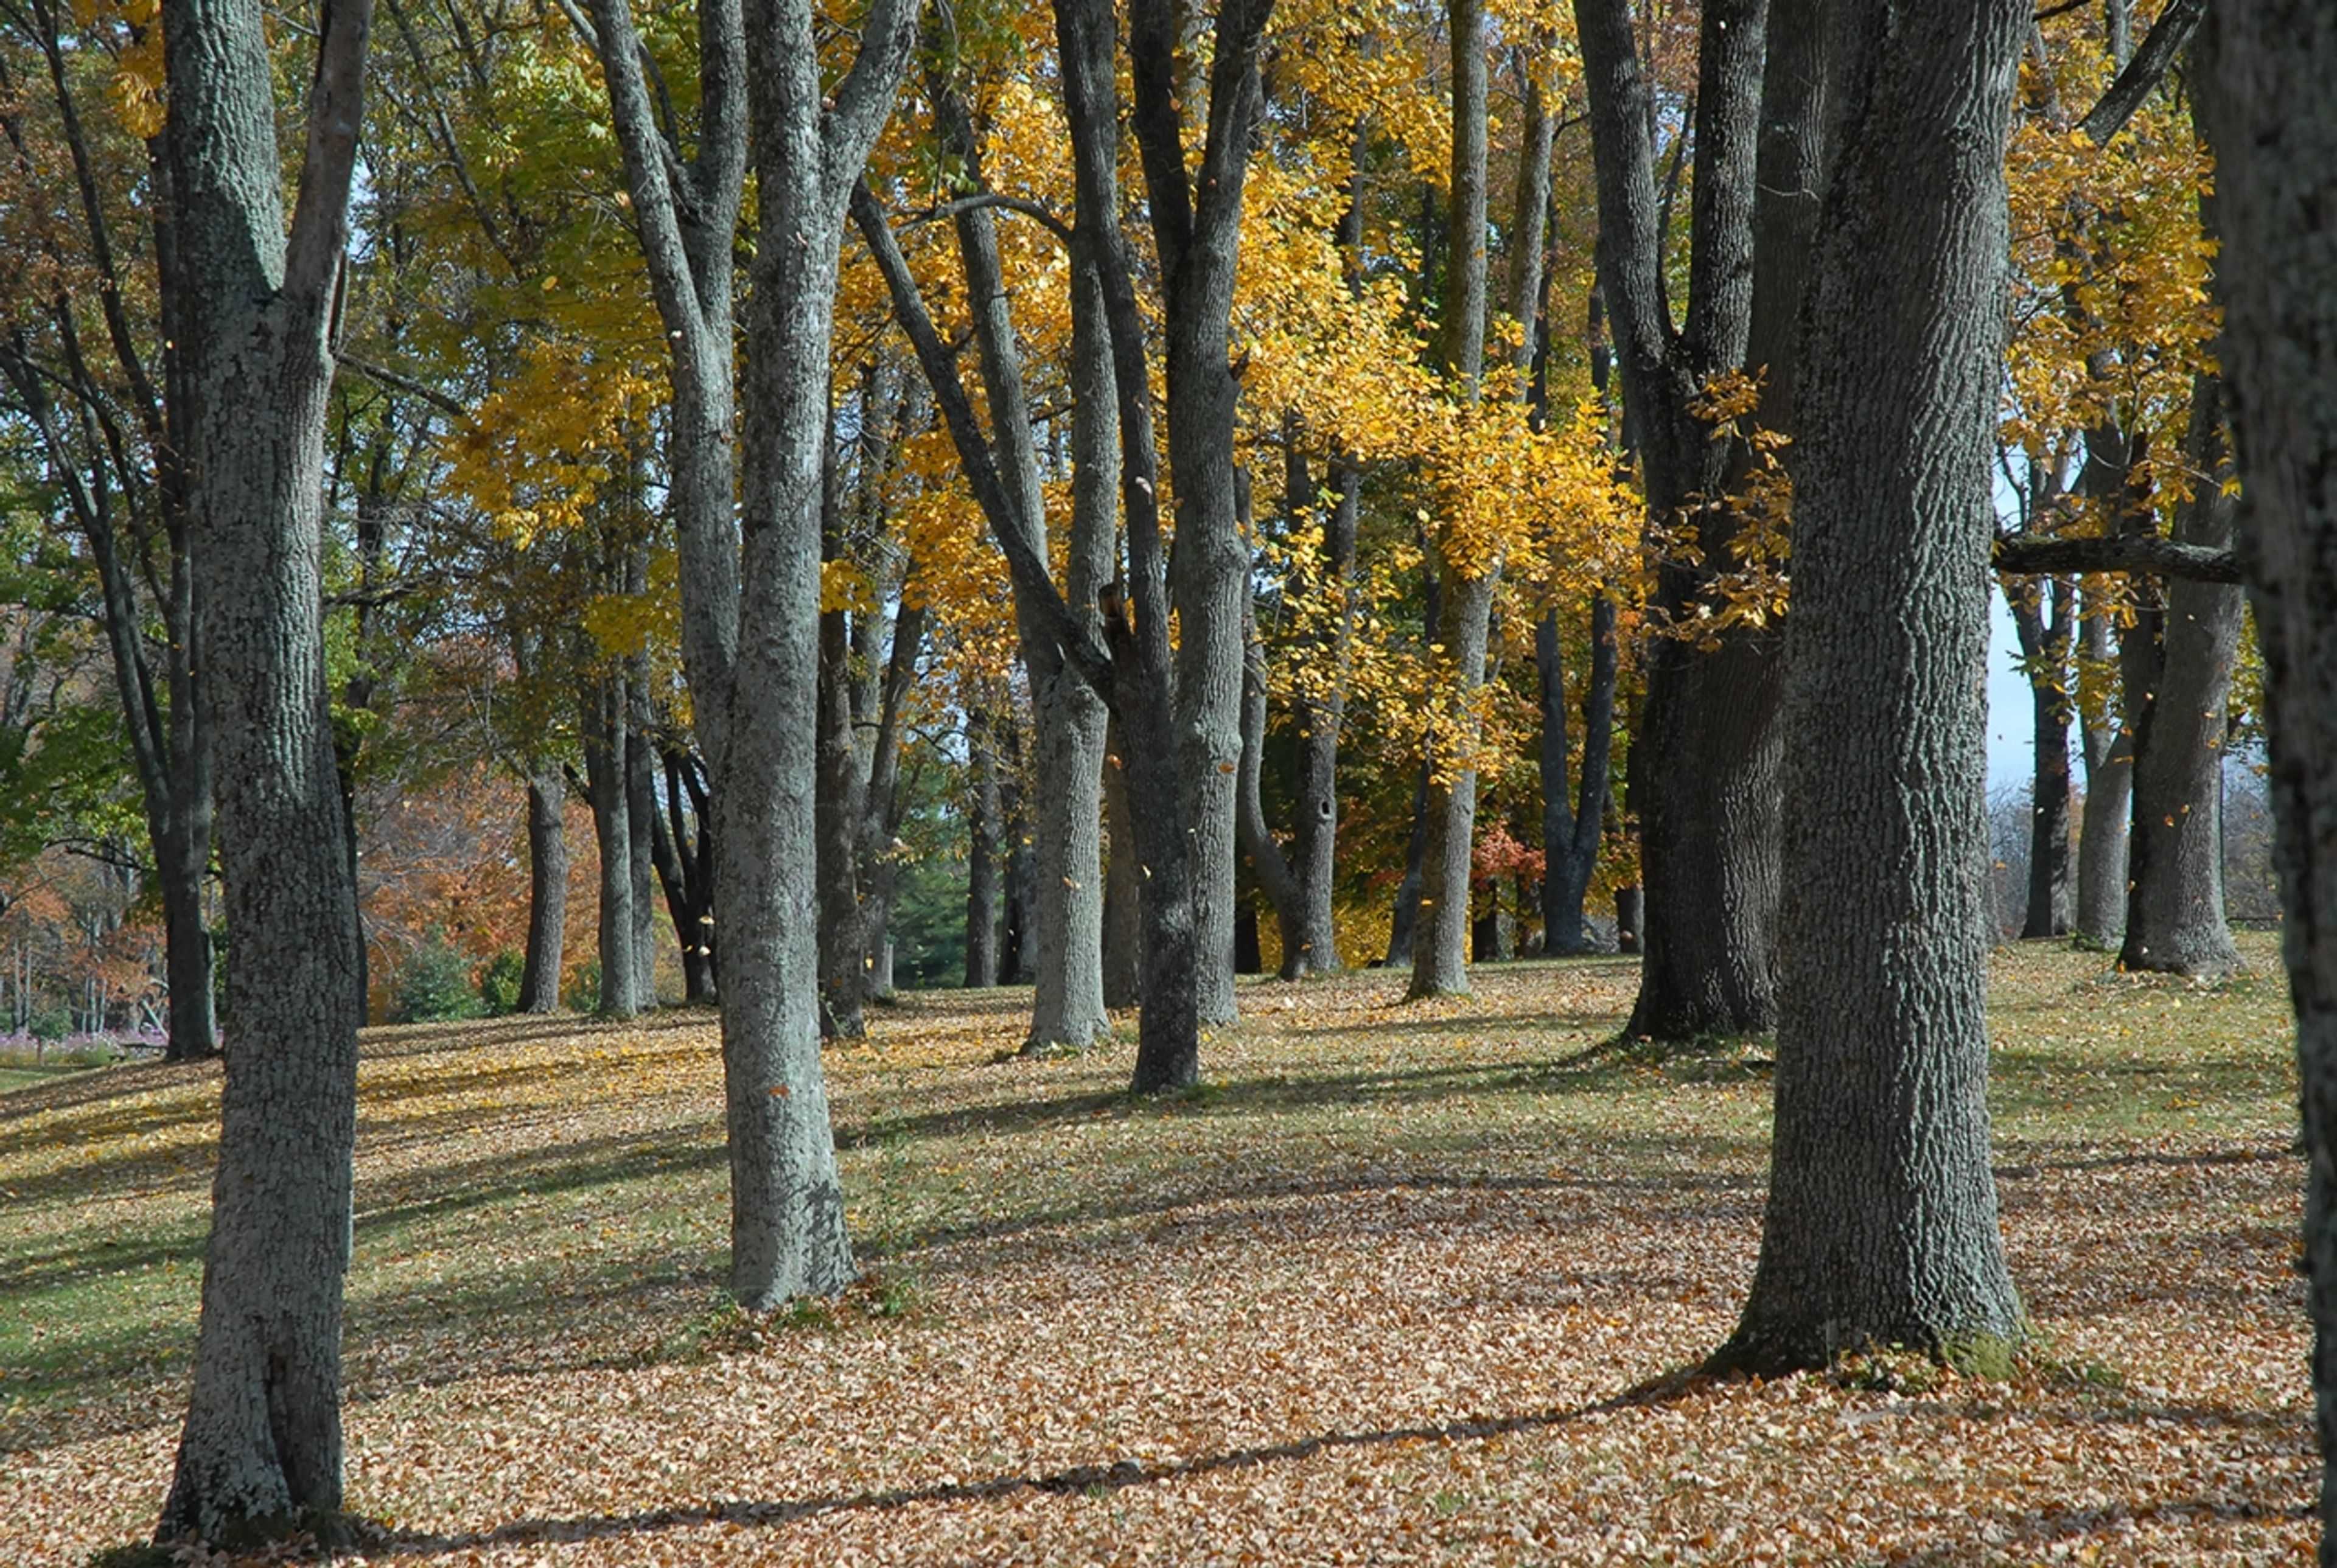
(1398, 1284)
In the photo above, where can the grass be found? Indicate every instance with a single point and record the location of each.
(1404, 1282)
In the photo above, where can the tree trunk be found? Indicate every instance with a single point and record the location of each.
(607, 736)
(262, 1448)
(981, 860)
(1882, 1221)
(1197, 229)
(547, 890)
(1706, 755)
(2262, 75)
(1311, 938)
(2041, 616)
(843, 944)
(2174, 904)
(880, 820)
(1123, 928)
(1570, 835)
(1440, 951)
(2112, 463)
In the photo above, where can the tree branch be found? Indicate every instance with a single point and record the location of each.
(2144, 72)
(320, 215)
(2019, 556)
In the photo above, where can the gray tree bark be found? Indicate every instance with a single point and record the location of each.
(983, 834)
(1881, 1221)
(1123, 918)
(2043, 617)
(1061, 946)
(2264, 75)
(262, 1448)
(843, 943)
(547, 890)
(1197, 233)
(606, 709)
(2174, 904)
(1439, 943)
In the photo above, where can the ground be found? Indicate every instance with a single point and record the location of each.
(1398, 1284)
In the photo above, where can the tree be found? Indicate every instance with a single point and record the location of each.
(2267, 76)
(1705, 757)
(262, 1450)
(106, 400)
(1881, 1221)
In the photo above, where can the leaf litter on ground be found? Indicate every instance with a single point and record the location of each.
(1398, 1283)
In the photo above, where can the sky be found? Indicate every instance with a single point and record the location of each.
(2011, 743)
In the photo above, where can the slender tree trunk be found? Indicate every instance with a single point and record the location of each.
(983, 834)
(547, 890)
(1439, 943)
(880, 820)
(1311, 943)
(1123, 920)
(1570, 835)
(2112, 461)
(2041, 616)
(2262, 75)
(843, 944)
(1882, 1221)
(262, 1448)
(607, 735)
(2175, 906)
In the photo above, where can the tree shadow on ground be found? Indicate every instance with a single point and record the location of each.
(1606, 1065)
(1076, 1479)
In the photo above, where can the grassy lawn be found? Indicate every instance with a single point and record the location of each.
(1400, 1283)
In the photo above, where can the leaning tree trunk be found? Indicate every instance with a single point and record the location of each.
(2262, 74)
(547, 890)
(2175, 853)
(1881, 1221)
(262, 1448)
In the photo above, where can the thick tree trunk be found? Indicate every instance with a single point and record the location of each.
(2175, 906)
(262, 1448)
(1570, 835)
(1196, 228)
(547, 890)
(2262, 75)
(1706, 755)
(1881, 1219)
(811, 137)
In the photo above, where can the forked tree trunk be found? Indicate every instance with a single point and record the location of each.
(2174, 859)
(2262, 75)
(260, 1452)
(1706, 754)
(843, 945)
(547, 890)
(1881, 1221)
